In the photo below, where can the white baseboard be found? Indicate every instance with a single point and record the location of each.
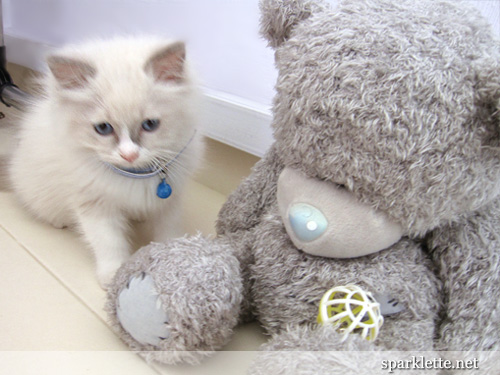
(240, 123)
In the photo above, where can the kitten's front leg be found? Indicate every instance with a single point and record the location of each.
(106, 233)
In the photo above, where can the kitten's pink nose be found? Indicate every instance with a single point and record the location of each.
(130, 156)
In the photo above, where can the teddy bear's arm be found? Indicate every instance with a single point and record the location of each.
(246, 205)
(468, 259)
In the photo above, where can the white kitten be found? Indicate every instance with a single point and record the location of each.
(110, 107)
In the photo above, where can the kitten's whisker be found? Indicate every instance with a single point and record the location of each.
(178, 172)
(177, 167)
(180, 168)
(154, 163)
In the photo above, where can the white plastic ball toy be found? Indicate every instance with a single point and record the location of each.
(351, 310)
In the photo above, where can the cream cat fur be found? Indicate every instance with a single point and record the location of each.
(127, 102)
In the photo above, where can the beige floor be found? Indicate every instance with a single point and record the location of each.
(51, 307)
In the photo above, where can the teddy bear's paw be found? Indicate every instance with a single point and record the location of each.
(177, 302)
(140, 312)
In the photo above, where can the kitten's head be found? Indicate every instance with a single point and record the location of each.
(128, 101)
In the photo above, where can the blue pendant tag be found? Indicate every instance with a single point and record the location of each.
(163, 190)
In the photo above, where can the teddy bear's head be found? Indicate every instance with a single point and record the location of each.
(398, 102)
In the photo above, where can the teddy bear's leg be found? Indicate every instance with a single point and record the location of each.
(314, 349)
(468, 258)
(309, 350)
(177, 302)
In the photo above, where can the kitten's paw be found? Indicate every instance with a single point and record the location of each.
(59, 224)
(140, 312)
(106, 272)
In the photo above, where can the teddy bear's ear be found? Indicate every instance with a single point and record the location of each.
(279, 17)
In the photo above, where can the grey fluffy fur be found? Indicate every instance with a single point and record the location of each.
(399, 101)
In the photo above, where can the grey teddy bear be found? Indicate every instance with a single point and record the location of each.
(384, 173)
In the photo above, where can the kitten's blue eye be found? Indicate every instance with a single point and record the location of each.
(150, 124)
(104, 128)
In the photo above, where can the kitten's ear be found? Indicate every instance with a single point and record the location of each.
(167, 65)
(70, 73)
